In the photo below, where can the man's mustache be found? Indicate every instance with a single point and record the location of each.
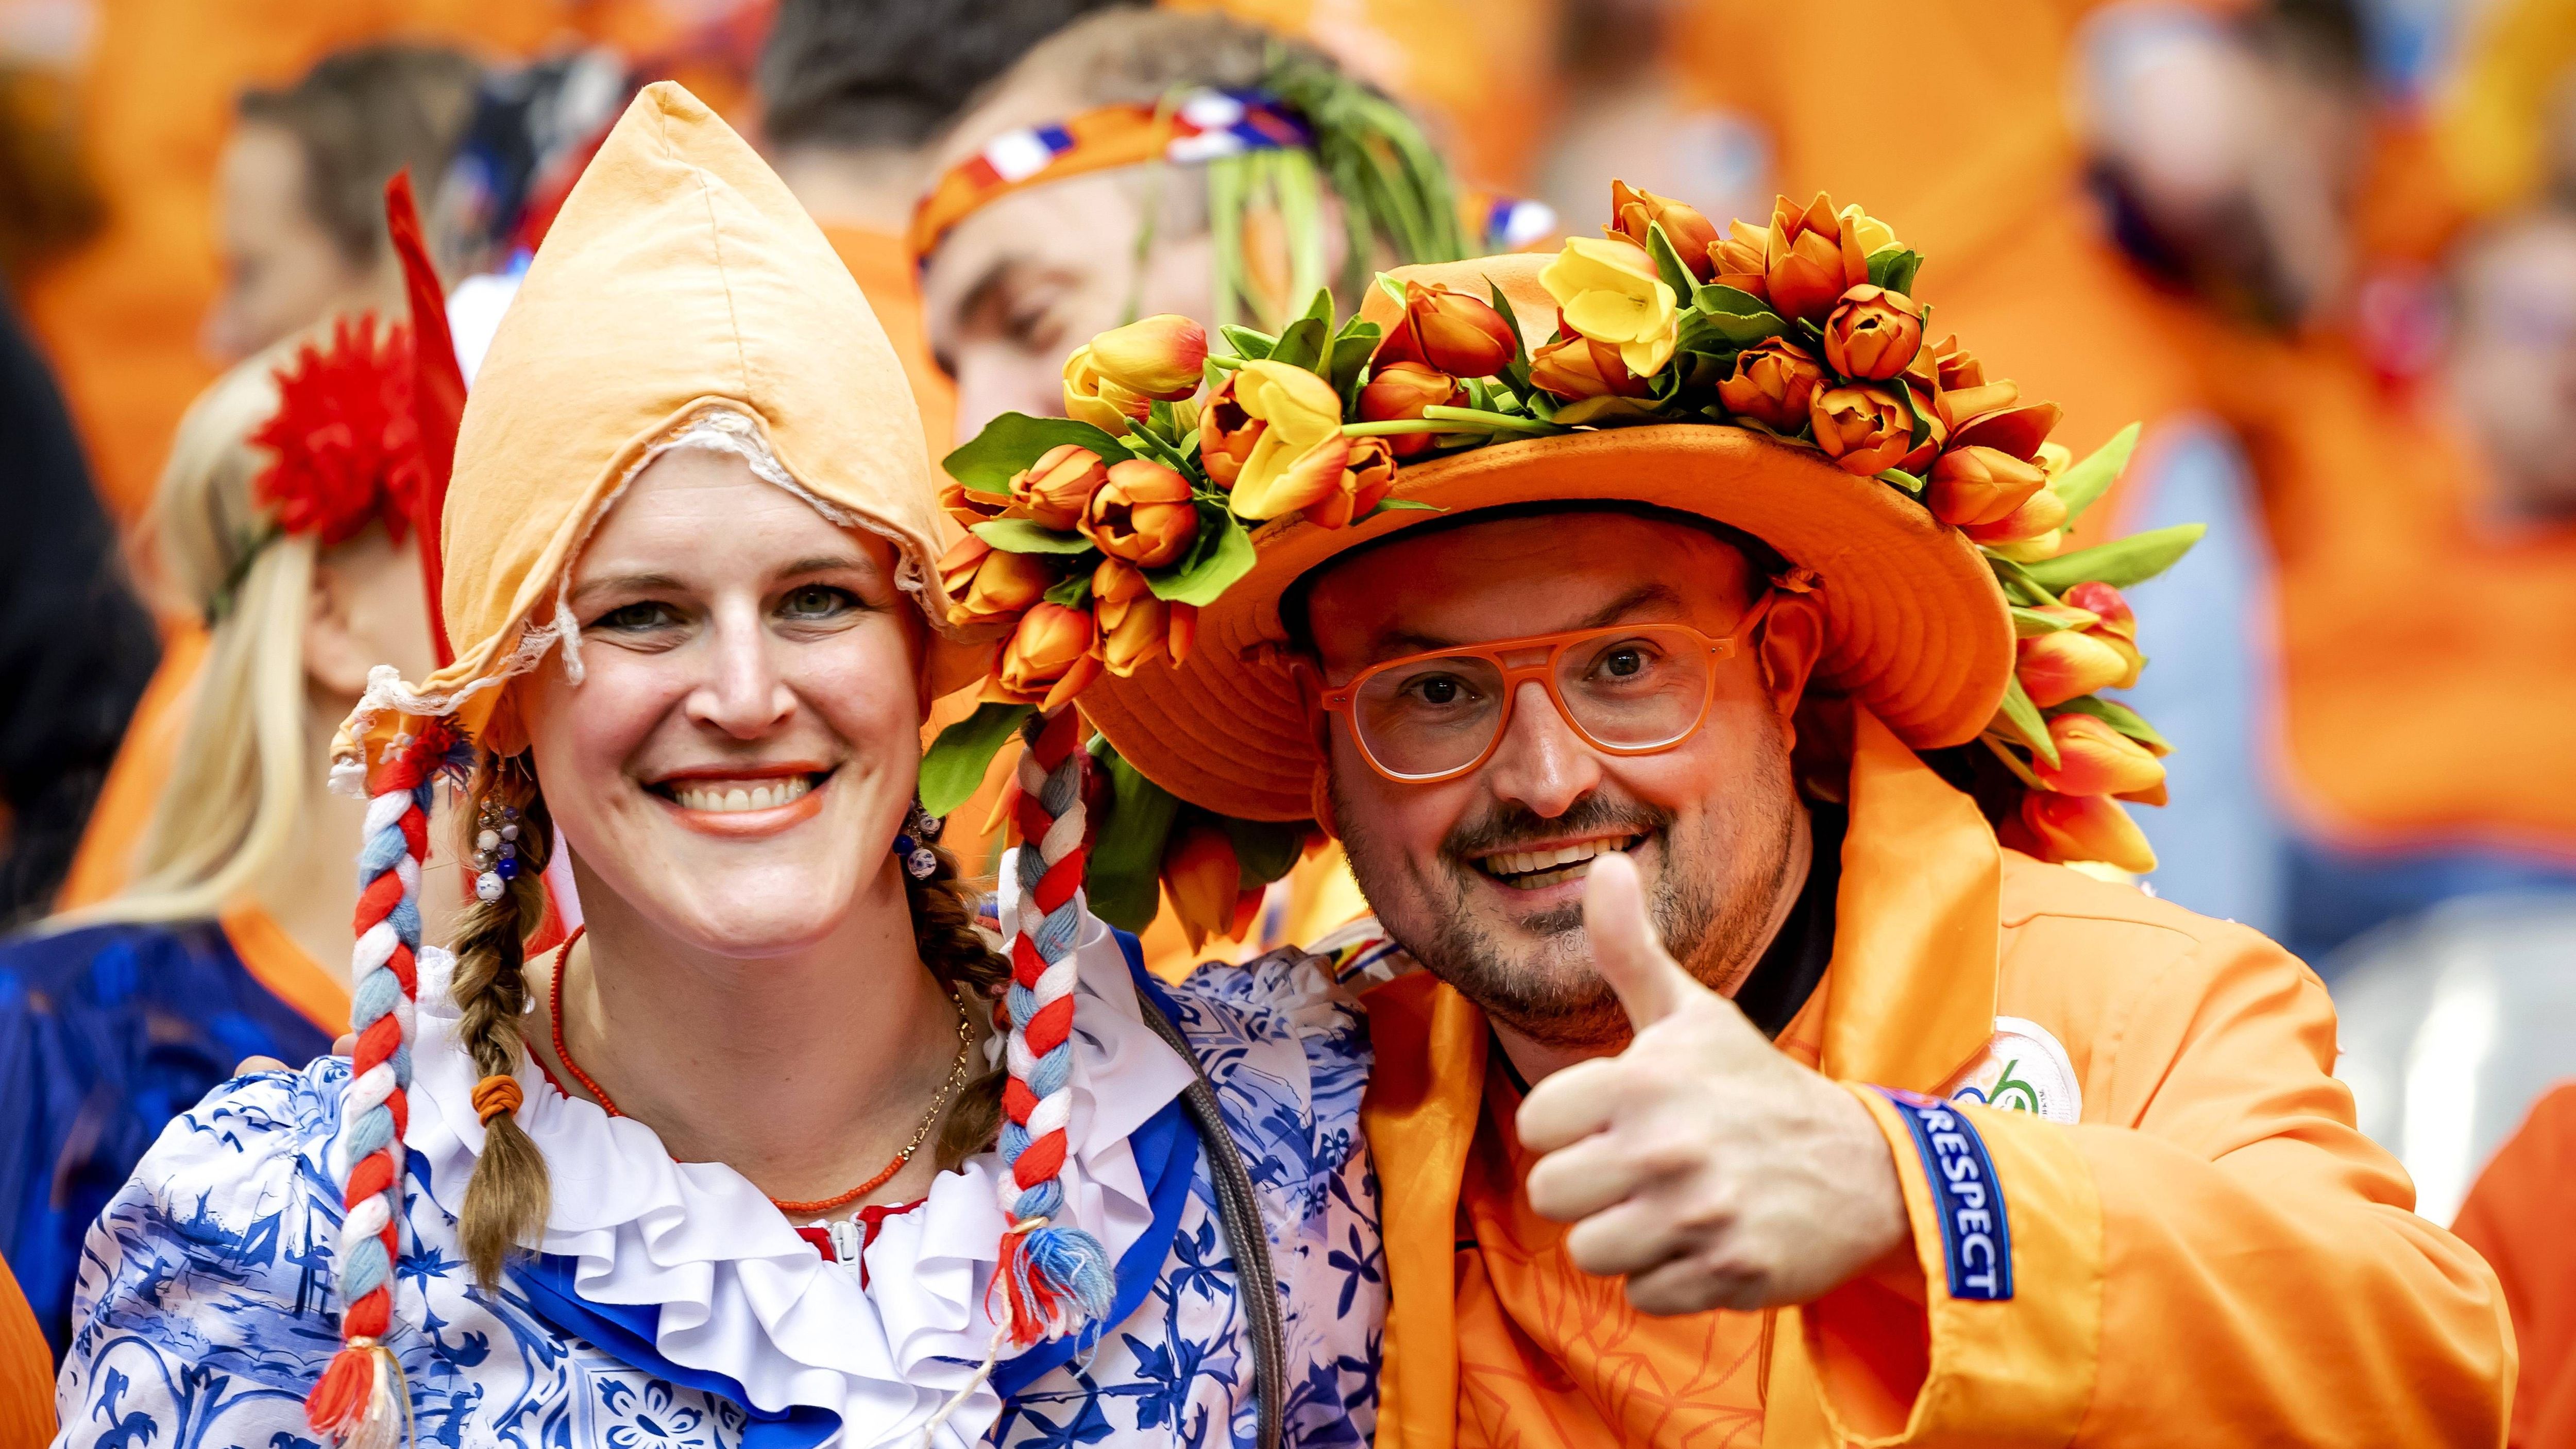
(1508, 825)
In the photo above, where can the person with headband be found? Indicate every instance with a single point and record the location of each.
(1683, 641)
(288, 518)
(1144, 161)
(780, 1148)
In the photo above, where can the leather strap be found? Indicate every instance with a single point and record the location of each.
(1239, 1215)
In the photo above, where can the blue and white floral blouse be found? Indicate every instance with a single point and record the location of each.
(669, 1307)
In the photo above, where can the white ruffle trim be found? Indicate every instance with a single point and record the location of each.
(741, 1295)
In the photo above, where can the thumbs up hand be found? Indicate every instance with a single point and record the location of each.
(1702, 1164)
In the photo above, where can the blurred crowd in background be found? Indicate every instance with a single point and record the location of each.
(2325, 250)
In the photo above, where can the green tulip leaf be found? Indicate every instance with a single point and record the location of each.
(1893, 267)
(2087, 481)
(1399, 505)
(1013, 441)
(2119, 717)
(1212, 567)
(1718, 333)
(954, 765)
(1020, 535)
(1072, 592)
(2120, 563)
(1352, 349)
(1123, 880)
(1391, 287)
(1249, 345)
(1515, 372)
(1668, 262)
(2024, 720)
(1719, 300)
(2031, 623)
(2017, 583)
(1264, 850)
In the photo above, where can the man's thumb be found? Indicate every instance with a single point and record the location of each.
(1651, 985)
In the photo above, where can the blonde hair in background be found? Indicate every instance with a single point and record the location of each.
(237, 786)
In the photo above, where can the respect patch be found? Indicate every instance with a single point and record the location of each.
(1976, 1231)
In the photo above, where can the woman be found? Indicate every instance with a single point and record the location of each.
(285, 520)
(726, 1168)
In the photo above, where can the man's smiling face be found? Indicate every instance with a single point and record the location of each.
(1481, 877)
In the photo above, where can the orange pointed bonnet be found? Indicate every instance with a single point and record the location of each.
(682, 296)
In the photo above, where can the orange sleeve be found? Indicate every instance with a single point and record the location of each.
(26, 1372)
(2215, 1254)
(2517, 1217)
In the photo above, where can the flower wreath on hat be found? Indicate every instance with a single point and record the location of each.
(1094, 539)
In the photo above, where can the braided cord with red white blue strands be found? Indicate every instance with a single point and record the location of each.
(1055, 1277)
(361, 1399)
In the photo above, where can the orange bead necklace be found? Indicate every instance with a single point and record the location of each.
(794, 1208)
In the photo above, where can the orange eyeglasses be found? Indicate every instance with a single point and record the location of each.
(1625, 689)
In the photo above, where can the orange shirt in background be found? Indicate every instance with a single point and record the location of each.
(121, 318)
(883, 268)
(1974, 164)
(2519, 1216)
(26, 1372)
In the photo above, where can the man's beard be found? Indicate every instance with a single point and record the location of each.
(1713, 897)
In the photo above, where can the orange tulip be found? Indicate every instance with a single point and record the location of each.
(1448, 331)
(2086, 827)
(1737, 260)
(2115, 625)
(2021, 429)
(2039, 515)
(1693, 236)
(971, 506)
(2055, 668)
(987, 585)
(1158, 357)
(1972, 486)
(1134, 624)
(2095, 759)
(1865, 427)
(1873, 332)
(1814, 256)
(1401, 390)
(1054, 490)
(1772, 384)
(1204, 880)
(1142, 513)
(1575, 367)
(1226, 434)
(1050, 657)
(1367, 473)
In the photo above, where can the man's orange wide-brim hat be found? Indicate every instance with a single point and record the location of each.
(1917, 629)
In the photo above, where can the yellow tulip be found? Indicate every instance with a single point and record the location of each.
(1607, 289)
(1301, 418)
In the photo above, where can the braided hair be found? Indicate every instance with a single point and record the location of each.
(506, 1200)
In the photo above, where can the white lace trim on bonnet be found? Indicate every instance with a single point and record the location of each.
(715, 428)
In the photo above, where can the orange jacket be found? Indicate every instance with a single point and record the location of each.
(2517, 1216)
(26, 1372)
(2203, 1248)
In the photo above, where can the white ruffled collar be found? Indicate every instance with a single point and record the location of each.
(741, 1294)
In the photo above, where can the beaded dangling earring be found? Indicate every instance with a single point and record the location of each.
(496, 849)
(912, 844)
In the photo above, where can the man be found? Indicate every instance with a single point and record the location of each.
(2026, 1158)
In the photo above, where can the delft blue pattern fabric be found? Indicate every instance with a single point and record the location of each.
(105, 1035)
(205, 1309)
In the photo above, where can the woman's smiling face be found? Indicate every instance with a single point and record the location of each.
(738, 756)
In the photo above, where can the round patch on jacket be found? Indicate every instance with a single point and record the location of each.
(2025, 1069)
